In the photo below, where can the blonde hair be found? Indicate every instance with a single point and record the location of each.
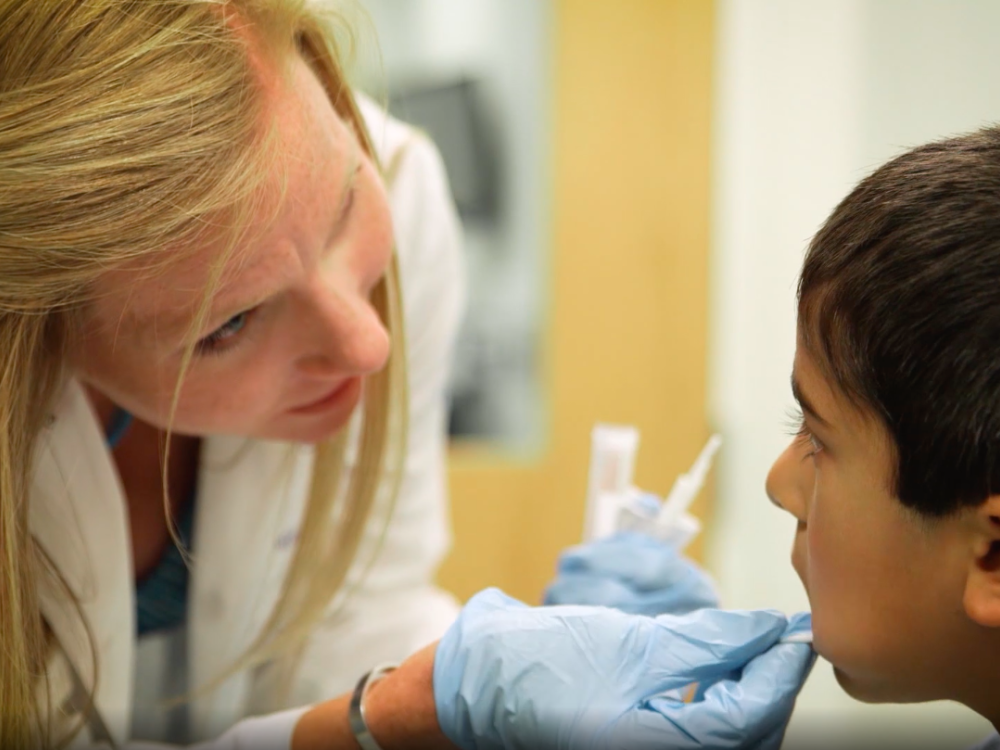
(126, 128)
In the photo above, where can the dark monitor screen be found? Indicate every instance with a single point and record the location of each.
(452, 113)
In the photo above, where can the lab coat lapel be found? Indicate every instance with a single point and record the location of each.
(78, 516)
(250, 500)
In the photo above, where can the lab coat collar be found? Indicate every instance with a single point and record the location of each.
(243, 541)
(251, 495)
(78, 517)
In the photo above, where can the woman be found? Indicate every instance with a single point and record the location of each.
(132, 150)
(201, 314)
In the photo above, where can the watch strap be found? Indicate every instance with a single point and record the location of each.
(356, 712)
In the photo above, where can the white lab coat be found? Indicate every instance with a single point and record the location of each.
(247, 516)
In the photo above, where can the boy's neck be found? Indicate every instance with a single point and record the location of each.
(980, 679)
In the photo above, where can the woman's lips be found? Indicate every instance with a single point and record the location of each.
(343, 393)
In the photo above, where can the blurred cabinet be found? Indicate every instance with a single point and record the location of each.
(626, 292)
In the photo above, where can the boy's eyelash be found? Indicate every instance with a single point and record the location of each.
(795, 422)
(795, 425)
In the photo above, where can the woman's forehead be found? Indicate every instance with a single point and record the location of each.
(158, 299)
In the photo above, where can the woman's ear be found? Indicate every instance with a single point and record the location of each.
(982, 588)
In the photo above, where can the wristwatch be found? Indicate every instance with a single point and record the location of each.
(356, 713)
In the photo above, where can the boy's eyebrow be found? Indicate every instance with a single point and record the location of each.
(805, 403)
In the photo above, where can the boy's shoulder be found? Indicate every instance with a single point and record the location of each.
(990, 743)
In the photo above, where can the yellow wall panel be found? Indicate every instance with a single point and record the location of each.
(626, 337)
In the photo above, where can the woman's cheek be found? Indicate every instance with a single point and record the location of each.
(230, 400)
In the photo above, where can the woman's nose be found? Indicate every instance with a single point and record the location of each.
(790, 482)
(346, 338)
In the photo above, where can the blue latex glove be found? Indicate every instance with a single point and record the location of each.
(571, 678)
(634, 573)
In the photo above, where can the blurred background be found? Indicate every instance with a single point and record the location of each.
(474, 76)
(638, 181)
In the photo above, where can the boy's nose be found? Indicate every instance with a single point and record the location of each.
(787, 485)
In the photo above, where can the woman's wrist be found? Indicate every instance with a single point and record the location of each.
(399, 710)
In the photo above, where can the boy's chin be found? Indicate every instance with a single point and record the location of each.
(873, 691)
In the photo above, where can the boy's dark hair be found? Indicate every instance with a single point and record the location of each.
(899, 301)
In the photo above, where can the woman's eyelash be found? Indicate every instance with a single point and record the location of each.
(225, 336)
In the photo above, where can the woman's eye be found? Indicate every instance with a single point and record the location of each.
(222, 338)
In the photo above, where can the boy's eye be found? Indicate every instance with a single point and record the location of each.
(802, 434)
(222, 338)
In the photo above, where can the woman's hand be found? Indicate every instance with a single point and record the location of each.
(567, 678)
(574, 678)
(632, 572)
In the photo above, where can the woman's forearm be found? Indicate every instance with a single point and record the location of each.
(399, 709)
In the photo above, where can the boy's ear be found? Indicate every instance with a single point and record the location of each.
(982, 587)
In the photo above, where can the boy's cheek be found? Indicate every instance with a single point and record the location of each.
(845, 622)
(832, 604)
(828, 628)
(800, 556)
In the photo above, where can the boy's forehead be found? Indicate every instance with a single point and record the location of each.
(809, 386)
(825, 399)
(814, 387)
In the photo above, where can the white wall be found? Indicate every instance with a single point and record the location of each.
(810, 96)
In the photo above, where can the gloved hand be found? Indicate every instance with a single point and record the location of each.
(632, 572)
(571, 678)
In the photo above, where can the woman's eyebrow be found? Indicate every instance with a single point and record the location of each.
(805, 403)
(156, 329)
(175, 325)
(228, 308)
(354, 167)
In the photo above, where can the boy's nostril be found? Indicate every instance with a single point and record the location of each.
(991, 560)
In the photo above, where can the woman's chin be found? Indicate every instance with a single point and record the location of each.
(318, 432)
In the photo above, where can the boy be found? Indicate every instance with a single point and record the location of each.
(894, 476)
